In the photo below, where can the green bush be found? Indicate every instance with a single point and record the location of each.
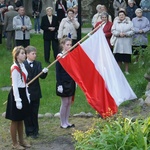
(120, 134)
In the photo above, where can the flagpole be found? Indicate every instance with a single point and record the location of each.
(80, 41)
(90, 33)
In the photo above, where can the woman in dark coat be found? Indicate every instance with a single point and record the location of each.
(61, 9)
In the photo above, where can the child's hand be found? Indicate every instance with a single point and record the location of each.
(45, 70)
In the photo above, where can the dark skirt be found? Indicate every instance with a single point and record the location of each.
(68, 88)
(123, 57)
(12, 112)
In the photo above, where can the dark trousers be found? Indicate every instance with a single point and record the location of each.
(10, 39)
(47, 47)
(23, 43)
(0, 38)
(31, 122)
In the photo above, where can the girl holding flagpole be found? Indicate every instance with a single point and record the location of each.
(65, 86)
(18, 99)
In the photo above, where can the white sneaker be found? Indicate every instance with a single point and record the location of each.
(126, 72)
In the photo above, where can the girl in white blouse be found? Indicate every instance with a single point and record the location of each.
(18, 99)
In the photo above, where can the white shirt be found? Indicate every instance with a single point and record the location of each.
(71, 4)
(50, 19)
(17, 82)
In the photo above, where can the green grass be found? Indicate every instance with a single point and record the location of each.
(50, 102)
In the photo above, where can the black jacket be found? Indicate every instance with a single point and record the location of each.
(34, 87)
(37, 6)
(45, 24)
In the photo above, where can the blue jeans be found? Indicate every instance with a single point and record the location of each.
(37, 24)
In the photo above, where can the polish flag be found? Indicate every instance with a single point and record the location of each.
(93, 67)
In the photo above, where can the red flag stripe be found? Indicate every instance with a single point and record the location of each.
(83, 71)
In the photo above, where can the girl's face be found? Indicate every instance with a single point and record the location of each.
(67, 45)
(31, 56)
(21, 56)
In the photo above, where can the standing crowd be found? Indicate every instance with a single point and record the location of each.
(125, 31)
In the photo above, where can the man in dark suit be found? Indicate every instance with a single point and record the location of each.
(8, 27)
(33, 68)
(49, 25)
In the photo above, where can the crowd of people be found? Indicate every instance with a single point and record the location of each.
(24, 100)
(126, 33)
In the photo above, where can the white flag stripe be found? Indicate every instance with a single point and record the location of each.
(98, 51)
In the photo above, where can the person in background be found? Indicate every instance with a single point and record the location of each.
(8, 27)
(75, 8)
(61, 9)
(18, 3)
(18, 99)
(33, 68)
(71, 3)
(65, 86)
(68, 27)
(145, 6)
(104, 9)
(140, 27)
(117, 18)
(3, 10)
(1, 28)
(106, 27)
(137, 2)
(37, 8)
(122, 29)
(22, 26)
(117, 4)
(49, 25)
(130, 9)
(97, 17)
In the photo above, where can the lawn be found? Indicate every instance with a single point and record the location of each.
(50, 102)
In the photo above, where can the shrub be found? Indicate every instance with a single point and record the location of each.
(119, 134)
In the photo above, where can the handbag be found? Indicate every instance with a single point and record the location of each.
(113, 40)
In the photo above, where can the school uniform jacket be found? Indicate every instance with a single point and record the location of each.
(34, 88)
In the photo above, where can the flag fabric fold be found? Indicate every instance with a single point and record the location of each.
(92, 65)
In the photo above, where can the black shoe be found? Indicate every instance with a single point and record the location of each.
(64, 127)
(71, 126)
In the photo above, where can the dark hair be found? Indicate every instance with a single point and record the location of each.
(70, 9)
(121, 11)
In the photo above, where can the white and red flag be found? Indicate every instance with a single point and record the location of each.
(92, 65)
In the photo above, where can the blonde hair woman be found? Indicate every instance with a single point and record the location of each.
(18, 99)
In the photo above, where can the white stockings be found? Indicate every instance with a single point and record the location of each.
(65, 111)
